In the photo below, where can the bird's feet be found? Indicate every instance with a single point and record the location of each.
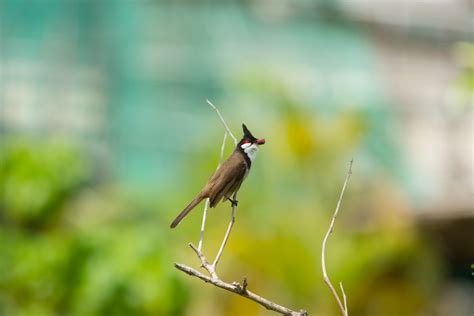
(233, 202)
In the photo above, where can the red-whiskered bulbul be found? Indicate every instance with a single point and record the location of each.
(229, 176)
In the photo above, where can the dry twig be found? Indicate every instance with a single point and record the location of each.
(223, 122)
(240, 290)
(206, 204)
(227, 233)
(342, 306)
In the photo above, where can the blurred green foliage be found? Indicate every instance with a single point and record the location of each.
(57, 258)
(36, 179)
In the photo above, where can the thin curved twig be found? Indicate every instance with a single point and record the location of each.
(206, 204)
(211, 268)
(344, 298)
(203, 224)
(223, 122)
(342, 307)
(227, 233)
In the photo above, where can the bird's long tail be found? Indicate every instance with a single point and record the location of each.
(186, 210)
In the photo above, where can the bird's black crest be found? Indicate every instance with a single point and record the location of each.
(247, 133)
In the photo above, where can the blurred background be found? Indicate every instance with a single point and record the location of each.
(105, 136)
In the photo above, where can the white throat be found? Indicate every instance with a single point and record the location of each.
(250, 150)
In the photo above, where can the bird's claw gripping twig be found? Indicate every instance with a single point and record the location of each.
(234, 202)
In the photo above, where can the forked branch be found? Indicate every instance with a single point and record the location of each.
(240, 290)
(342, 304)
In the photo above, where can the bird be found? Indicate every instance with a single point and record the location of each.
(228, 178)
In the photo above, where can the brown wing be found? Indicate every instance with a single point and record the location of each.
(227, 179)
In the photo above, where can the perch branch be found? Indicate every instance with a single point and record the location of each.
(342, 307)
(344, 298)
(204, 263)
(223, 122)
(211, 268)
(206, 204)
(240, 290)
(227, 233)
(203, 224)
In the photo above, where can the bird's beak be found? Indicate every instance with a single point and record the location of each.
(261, 141)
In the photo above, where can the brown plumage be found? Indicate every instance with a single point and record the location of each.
(223, 183)
(228, 177)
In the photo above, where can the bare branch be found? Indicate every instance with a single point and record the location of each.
(223, 122)
(342, 307)
(203, 224)
(227, 233)
(222, 151)
(206, 204)
(240, 290)
(211, 268)
(204, 263)
(344, 298)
